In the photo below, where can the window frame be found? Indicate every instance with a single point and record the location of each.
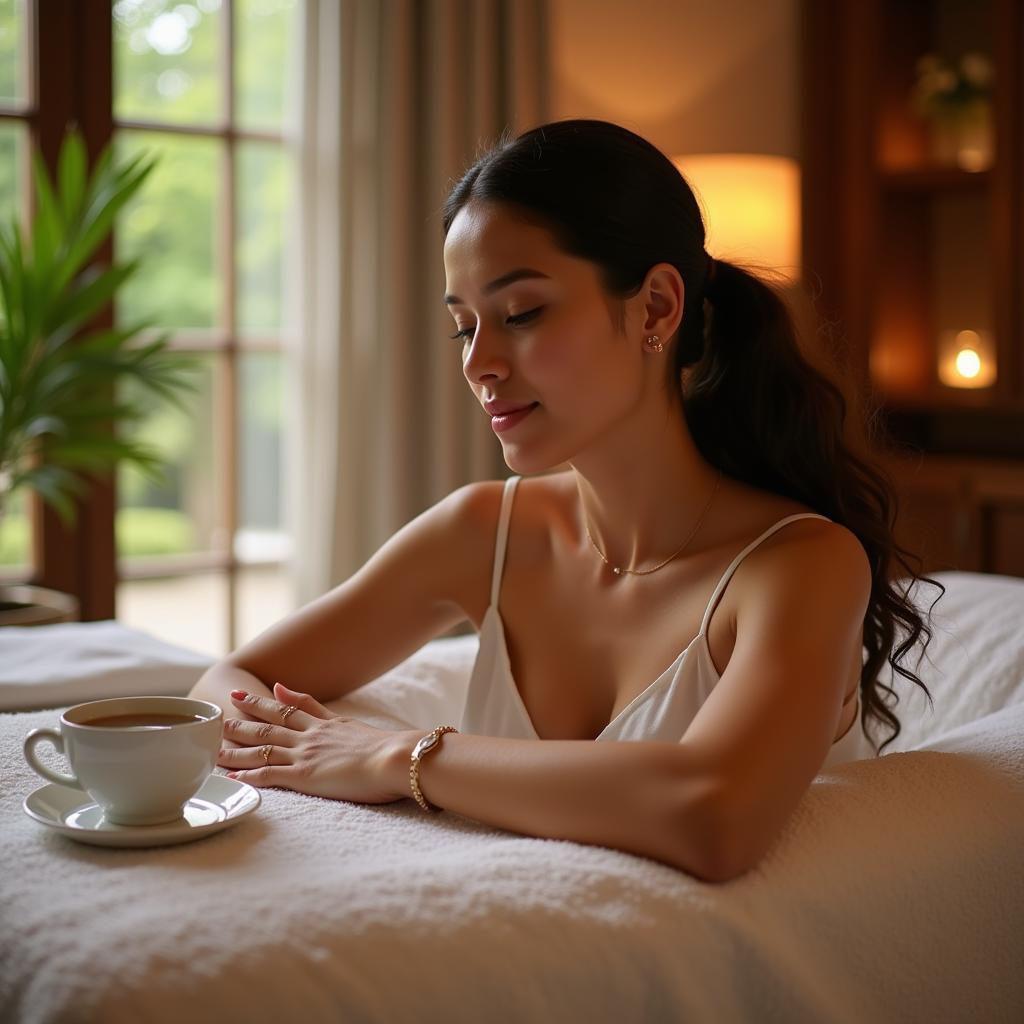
(74, 43)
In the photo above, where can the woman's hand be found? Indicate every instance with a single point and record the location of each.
(312, 750)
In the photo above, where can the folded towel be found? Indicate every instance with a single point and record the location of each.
(71, 662)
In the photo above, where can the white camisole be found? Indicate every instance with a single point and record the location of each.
(662, 711)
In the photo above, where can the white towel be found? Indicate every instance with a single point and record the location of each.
(895, 893)
(71, 662)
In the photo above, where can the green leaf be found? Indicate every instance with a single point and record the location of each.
(43, 425)
(56, 486)
(90, 293)
(111, 193)
(49, 224)
(71, 176)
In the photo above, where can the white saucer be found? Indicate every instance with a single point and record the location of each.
(220, 803)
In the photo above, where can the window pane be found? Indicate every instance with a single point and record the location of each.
(13, 156)
(167, 61)
(261, 535)
(263, 597)
(13, 53)
(15, 524)
(262, 193)
(170, 225)
(15, 535)
(264, 35)
(190, 611)
(185, 513)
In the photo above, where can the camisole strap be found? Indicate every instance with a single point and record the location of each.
(499, 545)
(727, 575)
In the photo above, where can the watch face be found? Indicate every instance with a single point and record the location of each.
(424, 745)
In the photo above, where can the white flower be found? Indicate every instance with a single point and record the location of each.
(976, 68)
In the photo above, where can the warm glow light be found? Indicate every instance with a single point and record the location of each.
(966, 359)
(751, 207)
(968, 363)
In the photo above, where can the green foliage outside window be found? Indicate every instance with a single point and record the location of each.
(168, 69)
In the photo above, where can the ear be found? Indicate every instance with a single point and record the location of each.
(665, 294)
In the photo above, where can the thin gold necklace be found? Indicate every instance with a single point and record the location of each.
(645, 572)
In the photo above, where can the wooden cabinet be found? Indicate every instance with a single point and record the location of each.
(913, 251)
(957, 513)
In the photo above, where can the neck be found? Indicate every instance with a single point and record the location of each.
(641, 502)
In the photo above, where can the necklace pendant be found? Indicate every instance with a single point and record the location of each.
(616, 570)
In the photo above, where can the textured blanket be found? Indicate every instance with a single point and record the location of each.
(895, 893)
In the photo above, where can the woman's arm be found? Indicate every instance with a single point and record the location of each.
(713, 803)
(652, 798)
(413, 589)
(644, 797)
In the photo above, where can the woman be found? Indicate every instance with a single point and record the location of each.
(714, 498)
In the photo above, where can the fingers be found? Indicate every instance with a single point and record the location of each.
(275, 776)
(240, 758)
(270, 710)
(301, 700)
(256, 733)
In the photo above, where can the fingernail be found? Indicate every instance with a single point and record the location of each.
(239, 694)
(232, 775)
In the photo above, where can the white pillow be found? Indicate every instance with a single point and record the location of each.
(974, 663)
(426, 690)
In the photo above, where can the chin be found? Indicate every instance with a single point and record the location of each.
(532, 462)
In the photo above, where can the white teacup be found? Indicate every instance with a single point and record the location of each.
(140, 758)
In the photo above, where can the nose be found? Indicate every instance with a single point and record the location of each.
(484, 360)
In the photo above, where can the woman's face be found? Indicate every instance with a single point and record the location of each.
(547, 337)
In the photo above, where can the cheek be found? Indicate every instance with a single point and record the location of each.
(563, 351)
(573, 359)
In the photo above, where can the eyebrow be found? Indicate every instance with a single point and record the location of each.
(520, 274)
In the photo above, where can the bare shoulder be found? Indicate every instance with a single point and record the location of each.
(476, 508)
(537, 498)
(810, 556)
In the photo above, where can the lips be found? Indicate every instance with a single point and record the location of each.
(497, 408)
(511, 420)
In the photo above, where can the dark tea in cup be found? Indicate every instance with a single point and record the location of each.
(142, 718)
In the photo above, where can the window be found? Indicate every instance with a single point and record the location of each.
(17, 102)
(201, 560)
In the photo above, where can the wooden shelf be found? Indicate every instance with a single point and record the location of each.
(911, 251)
(935, 178)
(906, 251)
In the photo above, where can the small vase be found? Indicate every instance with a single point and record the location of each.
(975, 150)
(962, 136)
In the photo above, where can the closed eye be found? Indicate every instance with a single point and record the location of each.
(514, 320)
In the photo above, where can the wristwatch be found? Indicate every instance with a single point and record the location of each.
(424, 746)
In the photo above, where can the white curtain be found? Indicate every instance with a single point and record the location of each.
(396, 97)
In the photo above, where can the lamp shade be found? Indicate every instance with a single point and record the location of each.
(751, 206)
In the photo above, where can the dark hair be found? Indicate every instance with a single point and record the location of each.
(755, 403)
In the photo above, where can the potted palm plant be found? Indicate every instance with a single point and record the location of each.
(59, 409)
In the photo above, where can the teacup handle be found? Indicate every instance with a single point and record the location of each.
(32, 740)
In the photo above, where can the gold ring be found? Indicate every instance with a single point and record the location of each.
(265, 751)
(289, 708)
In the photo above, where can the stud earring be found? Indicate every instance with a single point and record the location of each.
(655, 347)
